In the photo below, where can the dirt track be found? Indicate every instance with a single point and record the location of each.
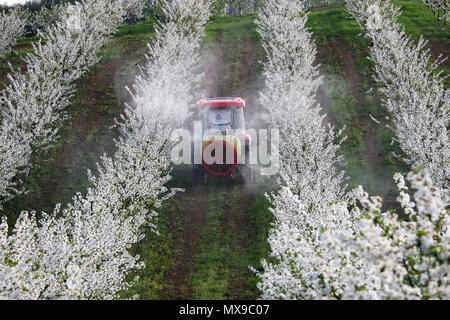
(372, 154)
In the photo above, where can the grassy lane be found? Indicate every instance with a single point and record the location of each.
(168, 257)
(185, 223)
(215, 232)
(158, 252)
(212, 263)
(209, 236)
(231, 241)
(232, 52)
(346, 98)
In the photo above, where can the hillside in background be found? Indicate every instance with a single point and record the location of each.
(211, 234)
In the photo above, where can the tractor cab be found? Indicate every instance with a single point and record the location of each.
(221, 114)
(223, 136)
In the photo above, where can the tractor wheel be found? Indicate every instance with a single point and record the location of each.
(246, 170)
(247, 173)
(198, 174)
(198, 171)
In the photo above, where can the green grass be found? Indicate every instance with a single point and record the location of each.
(419, 20)
(140, 29)
(416, 18)
(227, 247)
(157, 254)
(212, 272)
(260, 221)
(233, 26)
(332, 22)
(230, 34)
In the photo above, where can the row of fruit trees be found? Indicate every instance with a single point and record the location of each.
(327, 242)
(330, 243)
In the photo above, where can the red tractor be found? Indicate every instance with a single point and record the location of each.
(222, 145)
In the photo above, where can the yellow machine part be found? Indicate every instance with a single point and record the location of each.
(233, 140)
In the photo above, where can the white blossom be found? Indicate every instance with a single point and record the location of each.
(437, 5)
(308, 150)
(84, 254)
(134, 10)
(406, 258)
(33, 104)
(12, 26)
(326, 245)
(309, 207)
(362, 254)
(413, 87)
(46, 17)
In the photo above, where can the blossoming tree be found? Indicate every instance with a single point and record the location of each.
(338, 246)
(310, 200)
(437, 6)
(309, 150)
(32, 105)
(363, 252)
(12, 26)
(134, 10)
(413, 87)
(84, 253)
